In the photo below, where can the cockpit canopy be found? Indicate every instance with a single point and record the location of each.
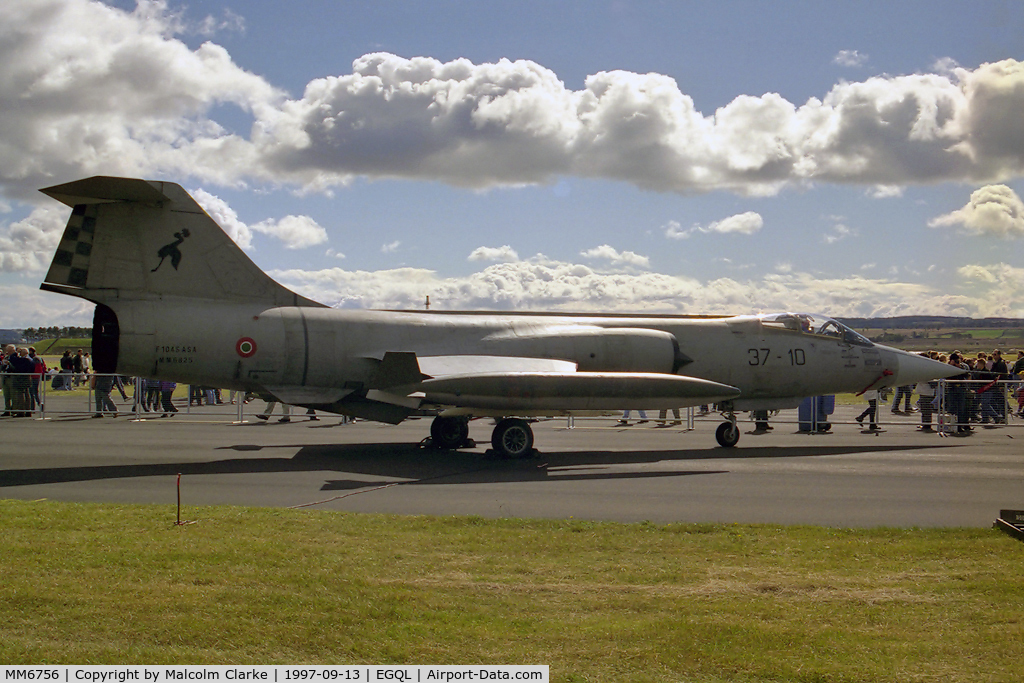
(815, 324)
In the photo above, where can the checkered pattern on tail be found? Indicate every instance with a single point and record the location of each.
(70, 264)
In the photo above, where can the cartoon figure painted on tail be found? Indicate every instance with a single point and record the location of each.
(172, 250)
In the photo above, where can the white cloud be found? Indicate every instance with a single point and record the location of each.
(741, 224)
(850, 58)
(211, 25)
(297, 232)
(744, 224)
(617, 258)
(390, 247)
(838, 232)
(885, 191)
(993, 210)
(101, 90)
(27, 246)
(673, 230)
(502, 254)
(29, 306)
(334, 254)
(225, 216)
(540, 284)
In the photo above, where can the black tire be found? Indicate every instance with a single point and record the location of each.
(449, 433)
(728, 434)
(512, 438)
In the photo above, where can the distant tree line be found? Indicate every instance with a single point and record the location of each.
(37, 333)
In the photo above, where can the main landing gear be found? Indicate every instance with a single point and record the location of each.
(512, 437)
(449, 433)
(728, 434)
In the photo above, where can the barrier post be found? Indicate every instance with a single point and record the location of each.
(42, 396)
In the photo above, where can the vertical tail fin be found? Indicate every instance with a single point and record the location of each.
(138, 239)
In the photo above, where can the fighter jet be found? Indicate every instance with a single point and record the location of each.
(177, 299)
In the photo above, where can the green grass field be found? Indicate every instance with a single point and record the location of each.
(90, 584)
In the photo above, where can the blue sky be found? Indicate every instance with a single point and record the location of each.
(857, 158)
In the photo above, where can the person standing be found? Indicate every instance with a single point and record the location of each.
(761, 421)
(994, 404)
(926, 402)
(22, 369)
(8, 379)
(1018, 371)
(662, 414)
(67, 366)
(625, 418)
(957, 394)
(286, 412)
(37, 376)
(78, 365)
(904, 392)
(871, 395)
(103, 383)
(166, 392)
(152, 394)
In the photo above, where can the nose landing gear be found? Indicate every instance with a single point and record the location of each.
(728, 434)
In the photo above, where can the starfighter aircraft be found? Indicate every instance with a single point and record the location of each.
(177, 299)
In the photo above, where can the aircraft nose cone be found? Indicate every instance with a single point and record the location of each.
(914, 369)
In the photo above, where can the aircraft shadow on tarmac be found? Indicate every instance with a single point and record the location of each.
(408, 464)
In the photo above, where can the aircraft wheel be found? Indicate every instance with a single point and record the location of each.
(449, 432)
(728, 434)
(512, 438)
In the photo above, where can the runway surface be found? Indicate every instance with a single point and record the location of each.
(599, 470)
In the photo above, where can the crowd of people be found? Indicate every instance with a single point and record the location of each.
(981, 394)
(22, 371)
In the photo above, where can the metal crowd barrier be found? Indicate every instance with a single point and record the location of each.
(956, 404)
(110, 395)
(962, 404)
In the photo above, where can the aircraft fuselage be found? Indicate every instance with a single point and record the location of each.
(251, 347)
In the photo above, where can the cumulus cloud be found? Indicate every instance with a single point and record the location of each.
(27, 246)
(37, 308)
(297, 232)
(994, 210)
(226, 217)
(90, 88)
(502, 254)
(849, 58)
(390, 247)
(541, 284)
(741, 224)
(615, 257)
